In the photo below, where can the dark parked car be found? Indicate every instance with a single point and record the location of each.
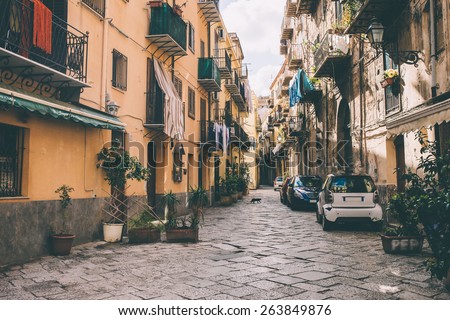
(303, 192)
(283, 190)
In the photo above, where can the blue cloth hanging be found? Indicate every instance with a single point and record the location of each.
(300, 88)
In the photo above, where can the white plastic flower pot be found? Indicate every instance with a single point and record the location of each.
(112, 232)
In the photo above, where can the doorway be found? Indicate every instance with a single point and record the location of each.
(344, 138)
(400, 164)
(151, 182)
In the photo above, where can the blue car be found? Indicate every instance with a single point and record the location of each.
(303, 192)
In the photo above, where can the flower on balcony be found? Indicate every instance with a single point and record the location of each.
(390, 74)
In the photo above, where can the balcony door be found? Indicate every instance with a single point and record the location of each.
(155, 97)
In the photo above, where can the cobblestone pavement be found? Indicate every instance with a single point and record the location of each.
(247, 251)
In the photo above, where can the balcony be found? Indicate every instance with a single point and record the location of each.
(210, 10)
(233, 84)
(290, 9)
(208, 74)
(386, 12)
(223, 62)
(240, 99)
(331, 55)
(295, 60)
(283, 47)
(207, 133)
(287, 28)
(167, 31)
(239, 136)
(287, 76)
(244, 72)
(306, 6)
(57, 59)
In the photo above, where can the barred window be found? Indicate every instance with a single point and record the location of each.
(119, 72)
(96, 5)
(11, 158)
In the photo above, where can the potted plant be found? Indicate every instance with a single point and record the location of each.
(389, 77)
(225, 196)
(198, 197)
(406, 236)
(231, 183)
(177, 229)
(241, 186)
(61, 241)
(119, 167)
(145, 228)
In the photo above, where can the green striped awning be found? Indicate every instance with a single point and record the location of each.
(59, 110)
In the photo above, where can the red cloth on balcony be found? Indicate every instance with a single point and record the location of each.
(42, 27)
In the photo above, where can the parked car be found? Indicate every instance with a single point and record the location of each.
(283, 190)
(348, 198)
(277, 183)
(303, 192)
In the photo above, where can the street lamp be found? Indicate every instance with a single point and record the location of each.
(375, 34)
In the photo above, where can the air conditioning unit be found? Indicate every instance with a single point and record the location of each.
(221, 34)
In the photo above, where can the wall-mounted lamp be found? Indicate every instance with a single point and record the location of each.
(112, 108)
(375, 34)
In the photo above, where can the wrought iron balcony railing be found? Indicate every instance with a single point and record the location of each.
(333, 50)
(287, 28)
(306, 6)
(63, 49)
(239, 134)
(295, 59)
(233, 84)
(208, 74)
(283, 47)
(224, 63)
(96, 5)
(167, 31)
(361, 13)
(290, 10)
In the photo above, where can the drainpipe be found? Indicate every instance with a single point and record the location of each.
(433, 70)
(361, 100)
(104, 75)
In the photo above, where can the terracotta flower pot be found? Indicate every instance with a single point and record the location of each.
(144, 235)
(182, 235)
(61, 245)
(226, 200)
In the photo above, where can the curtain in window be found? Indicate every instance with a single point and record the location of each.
(173, 106)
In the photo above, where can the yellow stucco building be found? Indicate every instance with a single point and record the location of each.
(158, 76)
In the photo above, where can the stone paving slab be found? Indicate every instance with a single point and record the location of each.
(260, 251)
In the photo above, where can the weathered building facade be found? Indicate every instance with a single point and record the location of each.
(359, 122)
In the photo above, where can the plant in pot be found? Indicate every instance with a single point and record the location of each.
(241, 186)
(177, 229)
(405, 236)
(434, 205)
(231, 183)
(225, 196)
(61, 240)
(145, 228)
(119, 167)
(198, 198)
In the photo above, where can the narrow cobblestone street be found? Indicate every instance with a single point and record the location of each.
(248, 251)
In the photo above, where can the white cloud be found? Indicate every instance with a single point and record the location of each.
(261, 80)
(258, 26)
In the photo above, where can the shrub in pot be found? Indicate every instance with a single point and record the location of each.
(225, 197)
(144, 228)
(61, 240)
(119, 167)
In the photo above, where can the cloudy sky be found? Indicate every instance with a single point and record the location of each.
(258, 25)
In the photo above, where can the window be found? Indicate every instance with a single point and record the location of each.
(352, 184)
(11, 159)
(191, 37)
(391, 92)
(119, 72)
(178, 86)
(191, 103)
(439, 27)
(96, 5)
(155, 97)
(202, 49)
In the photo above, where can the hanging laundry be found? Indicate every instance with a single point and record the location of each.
(42, 27)
(300, 87)
(218, 132)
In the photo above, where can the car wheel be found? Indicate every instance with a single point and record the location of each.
(326, 225)
(377, 226)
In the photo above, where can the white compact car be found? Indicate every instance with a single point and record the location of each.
(277, 183)
(346, 198)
